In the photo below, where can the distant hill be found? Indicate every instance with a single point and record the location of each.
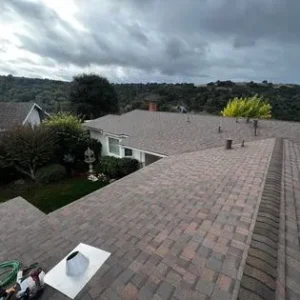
(52, 95)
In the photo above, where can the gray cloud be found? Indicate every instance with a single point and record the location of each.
(240, 42)
(166, 40)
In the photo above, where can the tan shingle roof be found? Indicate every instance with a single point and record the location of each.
(190, 226)
(168, 225)
(171, 133)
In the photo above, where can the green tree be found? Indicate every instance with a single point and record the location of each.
(53, 95)
(72, 138)
(64, 122)
(93, 96)
(252, 107)
(26, 149)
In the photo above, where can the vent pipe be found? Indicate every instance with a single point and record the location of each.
(228, 144)
(255, 124)
(76, 264)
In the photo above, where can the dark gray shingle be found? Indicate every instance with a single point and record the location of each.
(12, 114)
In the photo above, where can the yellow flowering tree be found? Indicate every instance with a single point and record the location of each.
(252, 107)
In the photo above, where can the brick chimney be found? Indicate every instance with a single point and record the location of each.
(152, 101)
(152, 105)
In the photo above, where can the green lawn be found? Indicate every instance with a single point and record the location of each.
(52, 196)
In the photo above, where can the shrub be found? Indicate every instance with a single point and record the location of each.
(51, 173)
(109, 166)
(252, 107)
(27, 148)
(127, 165)
(64, 121)
(116, 167)
(73, 139)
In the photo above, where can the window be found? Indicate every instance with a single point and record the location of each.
(113, 146)
(128, 152)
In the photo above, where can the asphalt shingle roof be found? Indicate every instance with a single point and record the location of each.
(207, 224)
(12, 114)
(177, 229)
(173, 133)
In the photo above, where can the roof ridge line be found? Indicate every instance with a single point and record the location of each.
(259, 239)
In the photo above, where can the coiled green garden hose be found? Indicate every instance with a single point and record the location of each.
(8, 272)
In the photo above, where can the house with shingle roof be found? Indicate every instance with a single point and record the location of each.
(150, 135)
(202, 222)
(19, 113)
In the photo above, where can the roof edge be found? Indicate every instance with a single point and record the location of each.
(260, 274)
(31, 109)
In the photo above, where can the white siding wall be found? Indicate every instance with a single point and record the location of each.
(102, 139)
(139, 155)
(34, 118)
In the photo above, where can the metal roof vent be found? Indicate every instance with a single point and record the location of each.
(74, 271)
(182, 109)
(76, 264)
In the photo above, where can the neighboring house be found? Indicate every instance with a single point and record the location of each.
(151, 135)
(20, 113)
(113, 131)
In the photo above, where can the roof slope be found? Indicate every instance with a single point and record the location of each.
(177, 229)
(17, 213)
(290, 223)
(172, 133)
(12, 114)
(261, 272)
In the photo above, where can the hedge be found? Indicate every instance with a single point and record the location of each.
(114, 167)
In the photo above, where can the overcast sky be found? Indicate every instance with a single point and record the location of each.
(152, 40)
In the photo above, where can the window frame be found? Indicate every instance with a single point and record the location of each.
(128, 149)
(109, 138)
